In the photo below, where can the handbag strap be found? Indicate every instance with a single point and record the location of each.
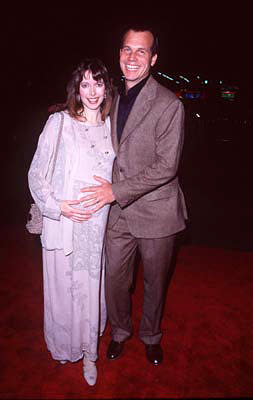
(57, 145)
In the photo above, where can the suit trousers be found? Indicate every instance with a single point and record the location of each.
(120, 248)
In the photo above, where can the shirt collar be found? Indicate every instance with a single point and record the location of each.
(135, 90)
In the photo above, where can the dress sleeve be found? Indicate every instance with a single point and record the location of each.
(40, 170)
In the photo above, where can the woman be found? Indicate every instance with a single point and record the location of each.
(72, 240)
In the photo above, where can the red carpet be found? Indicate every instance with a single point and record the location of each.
(207, 332)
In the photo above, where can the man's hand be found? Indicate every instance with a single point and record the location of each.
(100, 196)
(75, 214)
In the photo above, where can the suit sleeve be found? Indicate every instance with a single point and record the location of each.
(169, 136)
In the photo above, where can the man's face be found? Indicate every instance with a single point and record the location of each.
(135, 56)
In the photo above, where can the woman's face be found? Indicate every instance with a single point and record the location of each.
(92, 92)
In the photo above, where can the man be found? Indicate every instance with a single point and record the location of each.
(148, 207)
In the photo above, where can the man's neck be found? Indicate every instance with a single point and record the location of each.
(130, 84)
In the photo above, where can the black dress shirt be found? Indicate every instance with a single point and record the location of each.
(126, 103)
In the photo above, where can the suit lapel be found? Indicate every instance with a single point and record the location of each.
(141, 107)
(114, 114)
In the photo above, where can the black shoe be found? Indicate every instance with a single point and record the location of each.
(154, 353)
(114, 350)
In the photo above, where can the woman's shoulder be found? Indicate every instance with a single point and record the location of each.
(57, 113)
(52, 125)
(55, 116)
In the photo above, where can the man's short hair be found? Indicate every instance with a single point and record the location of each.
(141, 28)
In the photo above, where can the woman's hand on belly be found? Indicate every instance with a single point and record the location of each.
(75, 214)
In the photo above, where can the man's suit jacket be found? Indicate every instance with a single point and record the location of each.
(145, 182)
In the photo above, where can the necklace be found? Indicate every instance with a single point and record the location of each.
(87, 134)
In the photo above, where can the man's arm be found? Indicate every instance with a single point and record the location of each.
(169, 142)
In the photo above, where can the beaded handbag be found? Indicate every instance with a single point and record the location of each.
(35, 221)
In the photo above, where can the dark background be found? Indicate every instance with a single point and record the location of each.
(41, 45)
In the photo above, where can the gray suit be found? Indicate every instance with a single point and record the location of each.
(149, 208)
